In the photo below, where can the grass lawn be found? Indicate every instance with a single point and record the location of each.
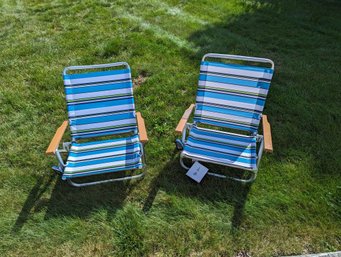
(293, 207)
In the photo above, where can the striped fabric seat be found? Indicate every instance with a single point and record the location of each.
(100, 103)
(221, 148)
(104, 156)
(231, 95)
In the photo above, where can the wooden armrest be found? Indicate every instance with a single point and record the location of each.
(142, 128)
(184, 119)
(267, 134)
(56, 138)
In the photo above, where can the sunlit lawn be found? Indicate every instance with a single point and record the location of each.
(294, 205)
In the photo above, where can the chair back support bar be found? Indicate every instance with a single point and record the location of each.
(100, 103)
(239, 58)
(232, 95)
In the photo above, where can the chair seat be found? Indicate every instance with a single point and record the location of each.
(222, 148)
(98, 157)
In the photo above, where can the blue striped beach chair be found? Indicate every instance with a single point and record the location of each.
(107, 134)
(230, 98)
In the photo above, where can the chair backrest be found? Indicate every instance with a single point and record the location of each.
(232, 95)
(100, 103)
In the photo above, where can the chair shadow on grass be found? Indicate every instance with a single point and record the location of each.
(65, 200)
(305, 122)
(253, 33)
(32, 201)
(173, 180)
(265, 30)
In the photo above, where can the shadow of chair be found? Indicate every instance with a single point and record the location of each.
(66, 200)
(173, 180)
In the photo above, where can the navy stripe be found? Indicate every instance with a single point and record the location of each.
(126, 157)
(209, 153)
(241, 138)
(115, 117)
(251, 115)
(123, 140)
(234, 81)
(103, 171)
(230, 97)
(99, 104)
(224, 124)
(111, 150)
(107, 132)
(222, 146)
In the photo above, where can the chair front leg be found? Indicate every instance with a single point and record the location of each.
(260, 150)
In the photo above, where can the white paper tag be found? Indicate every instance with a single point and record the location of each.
(197, 172)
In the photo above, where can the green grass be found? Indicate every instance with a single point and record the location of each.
(293, 207)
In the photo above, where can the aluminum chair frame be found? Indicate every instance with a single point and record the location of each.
(54, 149)
(264, 141)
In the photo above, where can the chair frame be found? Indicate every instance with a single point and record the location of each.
(265, 140)
(53, 148)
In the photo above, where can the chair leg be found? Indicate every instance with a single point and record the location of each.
(57, 169)
(182, 162)
(244, 181)
(72, 183)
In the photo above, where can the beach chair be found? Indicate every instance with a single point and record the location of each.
(107, 135)
(228, 110)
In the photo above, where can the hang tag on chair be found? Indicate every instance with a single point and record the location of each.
(197, 172)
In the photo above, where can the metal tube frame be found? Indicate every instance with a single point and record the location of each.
(240, 58)
(95, 66)
(72, 183)
(260, 138)
(66, 146)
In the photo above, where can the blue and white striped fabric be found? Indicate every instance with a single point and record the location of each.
(231, 95)
(100, 103)
(221, 148)
(104, 156)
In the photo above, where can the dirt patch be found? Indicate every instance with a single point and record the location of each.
(243, 254)
(141, 78)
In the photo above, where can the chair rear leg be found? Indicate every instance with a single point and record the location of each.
(182, 162)
(244, 181)
(72, 183)
(57, 169)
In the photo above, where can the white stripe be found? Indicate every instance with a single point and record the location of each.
(98, 93)
(103, 124)
(232, 118)
(220, 149)
(221, 160)
(233, 76)
(103, 115)
(238, 72)
(122, 107)
(231, 103)
(220, 139)
(94, 85)
(112, 153)
(101, 165)
(97, 79)
(255, 90)
(105, 144)
(132, 128)
(98, 171)
(99, 100)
